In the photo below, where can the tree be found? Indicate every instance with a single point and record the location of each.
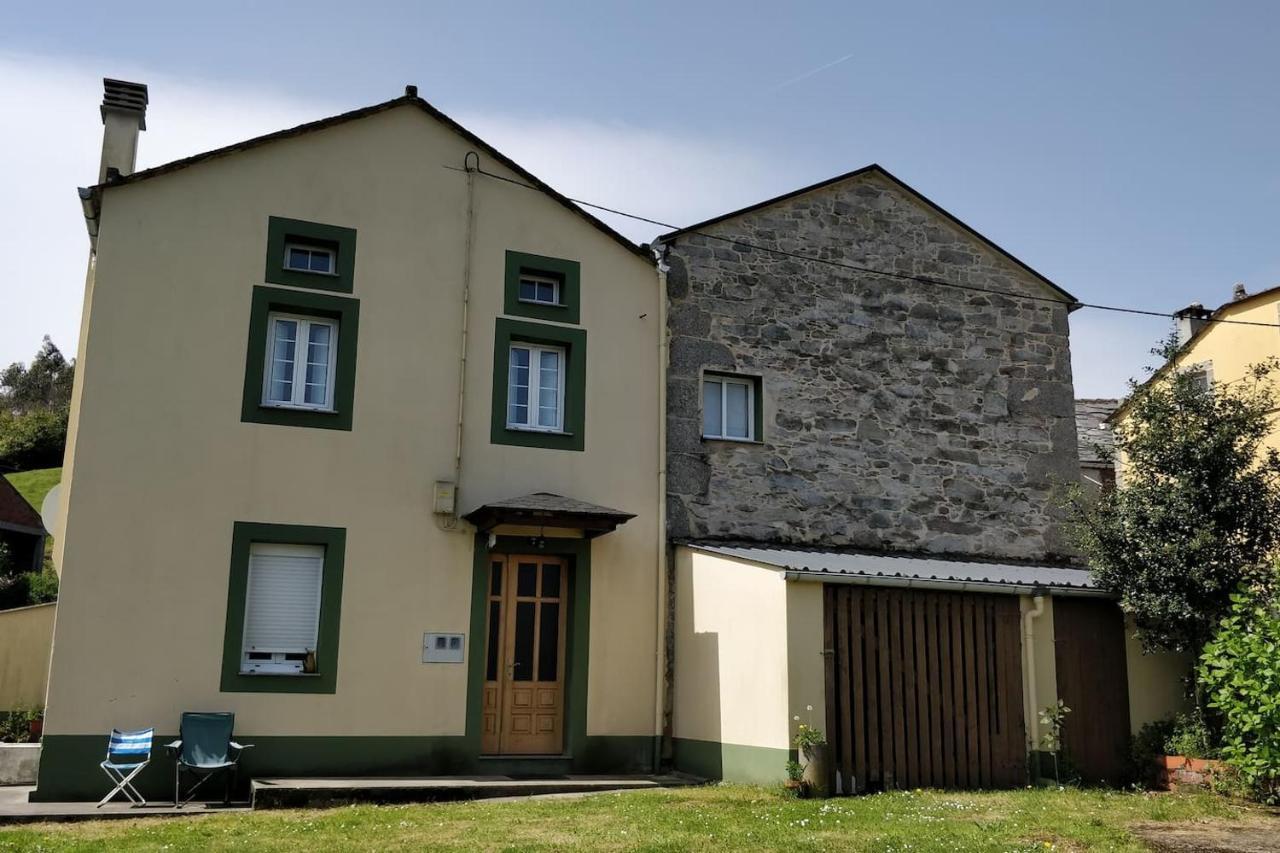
(1196, 515)
(34, 405)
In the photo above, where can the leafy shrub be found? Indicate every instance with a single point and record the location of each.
(1191, 737)
(1240, 670)
(795, 771)
(15, 726)
(34, 439)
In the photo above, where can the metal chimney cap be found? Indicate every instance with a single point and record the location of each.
(126, 96)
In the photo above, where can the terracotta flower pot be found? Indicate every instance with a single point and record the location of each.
(1173, 771)
(36, 729)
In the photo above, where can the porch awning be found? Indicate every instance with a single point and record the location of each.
(543, 509)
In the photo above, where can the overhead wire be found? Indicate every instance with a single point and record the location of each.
(937, 282)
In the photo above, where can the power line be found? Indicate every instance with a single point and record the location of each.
(735, 241)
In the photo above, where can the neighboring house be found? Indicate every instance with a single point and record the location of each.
(862, 468)
(363, 448)
(1223, 351)
(1095, 439)
(21, 530)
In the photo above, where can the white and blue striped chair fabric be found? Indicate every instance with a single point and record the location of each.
(127, 751)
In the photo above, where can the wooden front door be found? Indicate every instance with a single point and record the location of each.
(1093, 681)
(523, 709)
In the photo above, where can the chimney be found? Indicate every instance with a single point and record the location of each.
(1191, 320)
(1238, 292)
(124, 113)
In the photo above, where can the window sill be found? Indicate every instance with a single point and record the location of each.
(285, 407)
(311, 272)
(542, 304)
(279, 674)
(533, 431)
(731, 440)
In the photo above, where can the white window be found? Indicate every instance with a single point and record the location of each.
(539, 289)
(302, 258)
(1201, 375)
(282, 607)
(728, 408)
(301, 356)
(535, 388)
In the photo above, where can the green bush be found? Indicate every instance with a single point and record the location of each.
(34, 439)
(1240, 671)
(15, 725)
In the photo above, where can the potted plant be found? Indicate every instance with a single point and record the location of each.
(1182, 751)
(811, 746)
(795, 779)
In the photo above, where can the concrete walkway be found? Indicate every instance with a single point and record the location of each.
(316, 793)
(14, 808)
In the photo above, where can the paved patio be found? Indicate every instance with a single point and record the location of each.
(14, 808)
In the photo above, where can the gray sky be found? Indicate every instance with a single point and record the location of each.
(1127, 151)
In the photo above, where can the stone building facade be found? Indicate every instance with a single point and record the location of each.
(894, 414)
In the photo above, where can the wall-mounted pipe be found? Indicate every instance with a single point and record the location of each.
(1029, 651)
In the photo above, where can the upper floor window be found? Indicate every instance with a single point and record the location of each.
(535, 393)
(729, 408)
(282, 609)
(539, 289)
(1201, 375)
(304, 258)
(301, 357)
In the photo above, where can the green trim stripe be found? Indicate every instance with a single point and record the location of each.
(569, 274)
(574, 342)
(281, 231)
(334, 540)
(758, 765)
(343, 309)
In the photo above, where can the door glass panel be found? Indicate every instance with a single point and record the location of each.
(737, 410)
(551, 581)
(527, 580)
(523, 655)
(495, 578)
(549, 642)
(711, 408)
(491, 659)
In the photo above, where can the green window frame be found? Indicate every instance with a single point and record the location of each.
(346, 311)
(574, 344)
(567, 273)
(757, 405)
(325, 679)
(342, 241)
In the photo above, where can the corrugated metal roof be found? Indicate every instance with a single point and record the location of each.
(911, 570)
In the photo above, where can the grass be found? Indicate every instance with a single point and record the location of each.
(721, 817)
(34, 485)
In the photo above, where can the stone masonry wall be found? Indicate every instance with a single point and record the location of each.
(897, 415)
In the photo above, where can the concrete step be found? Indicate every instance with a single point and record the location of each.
(332, 791)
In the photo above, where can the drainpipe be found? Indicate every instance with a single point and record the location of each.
(472, 164)
(660, 590)
(1029, 650)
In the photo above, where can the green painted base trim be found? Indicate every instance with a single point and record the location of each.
(759, 765)
(69, 763)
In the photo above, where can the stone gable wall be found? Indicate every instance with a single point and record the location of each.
(897, 414)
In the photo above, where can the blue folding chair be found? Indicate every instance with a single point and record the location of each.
(127, 754)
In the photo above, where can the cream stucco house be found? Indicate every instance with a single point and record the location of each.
(362, 449)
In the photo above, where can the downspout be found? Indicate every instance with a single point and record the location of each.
(1029, 650)
(660, 591)
(471, 166)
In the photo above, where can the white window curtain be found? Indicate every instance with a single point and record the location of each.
(728, 408)
(282, 607)
(535, 388)
(301, 356)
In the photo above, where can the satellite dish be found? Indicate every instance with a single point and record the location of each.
(51, 509)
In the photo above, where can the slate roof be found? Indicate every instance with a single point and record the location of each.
(911, 570)
(1092, 431)
(550, 510)
(411, 98)
(15, 512)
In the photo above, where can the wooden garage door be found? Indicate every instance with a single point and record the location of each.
(1089, 655)
(923, 689)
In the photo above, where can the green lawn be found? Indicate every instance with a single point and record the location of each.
(34, 485)
(711, 818)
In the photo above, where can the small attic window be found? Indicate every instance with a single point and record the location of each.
(304, 257)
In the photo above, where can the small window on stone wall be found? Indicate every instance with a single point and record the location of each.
(731, 407)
